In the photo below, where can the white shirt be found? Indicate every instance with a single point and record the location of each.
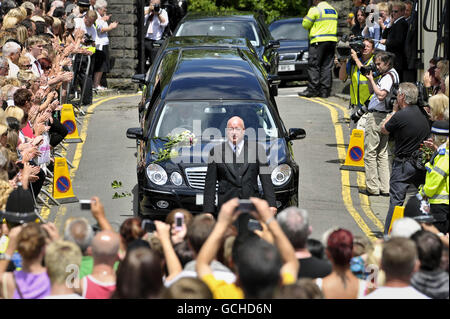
(79, 24)
(239, 147)
(156, 28)
(385, 84)
(396, 293)
(13, 69)
(36, 67)
(102, 37)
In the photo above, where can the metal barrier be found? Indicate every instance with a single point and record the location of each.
(76, 69)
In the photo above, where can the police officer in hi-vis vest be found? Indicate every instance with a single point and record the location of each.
(321, 22)
(436, 187)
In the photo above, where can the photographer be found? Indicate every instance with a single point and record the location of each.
(409, 128)
(156, 20)
(375, 144)
(359, 87)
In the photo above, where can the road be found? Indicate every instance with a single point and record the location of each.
(329, 194)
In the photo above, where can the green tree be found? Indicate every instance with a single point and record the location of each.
(272, 9)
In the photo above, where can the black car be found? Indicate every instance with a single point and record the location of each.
(236, 24)
(195, 93)
(293, 50)
(175, 43)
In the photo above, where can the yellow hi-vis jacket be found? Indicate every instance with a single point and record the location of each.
(321, 21)
(436, 181)
(359, 87)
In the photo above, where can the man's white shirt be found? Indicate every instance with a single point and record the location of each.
(35, 67)
(239, 147)
(13, 69)
(156, 28)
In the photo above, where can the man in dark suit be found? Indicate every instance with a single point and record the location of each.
(395, 37)
(235, 165)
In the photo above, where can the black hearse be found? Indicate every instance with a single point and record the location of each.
(194, 93)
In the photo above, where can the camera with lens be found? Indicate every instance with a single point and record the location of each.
(346, 44)
(359, 112)
(365, 69)
(88, 41)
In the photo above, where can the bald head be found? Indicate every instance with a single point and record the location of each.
(105, 247)
(235, 129)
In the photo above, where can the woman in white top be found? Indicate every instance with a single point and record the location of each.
(341, 283)
(101, 64)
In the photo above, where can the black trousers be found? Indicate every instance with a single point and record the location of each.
(80, 67)
(403, 174)
(440, 213)
(320, 65)
(150, 50)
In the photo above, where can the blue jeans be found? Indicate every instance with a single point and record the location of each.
(403, 174)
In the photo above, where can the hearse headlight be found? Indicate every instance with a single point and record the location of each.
(156, 174)
(281, 174)
(176, 178)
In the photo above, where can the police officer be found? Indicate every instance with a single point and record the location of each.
(321, 21)
(359, 86)
(436, 184)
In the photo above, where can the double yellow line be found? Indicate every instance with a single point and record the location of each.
(45, 212)
(345, 175)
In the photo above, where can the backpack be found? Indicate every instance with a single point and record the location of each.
(392, 94)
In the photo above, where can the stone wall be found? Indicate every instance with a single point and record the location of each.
(343, 8)
(123, 43)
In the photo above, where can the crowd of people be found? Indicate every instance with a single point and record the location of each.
(40, 47)
(65, 32)
(405, 122)
(208, 257)
(40, 44)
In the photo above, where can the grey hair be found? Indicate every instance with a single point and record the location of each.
(294, 222)
(410, 91)
(100, 4)
(10, 48)
(80, 232)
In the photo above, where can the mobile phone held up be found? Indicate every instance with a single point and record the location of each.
(246, 206)
(148, 225)
(85, 204)
(179, 221)
(253, 224)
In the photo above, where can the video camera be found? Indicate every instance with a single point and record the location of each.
(346, 44)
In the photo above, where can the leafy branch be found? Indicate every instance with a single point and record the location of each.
(116, 185)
